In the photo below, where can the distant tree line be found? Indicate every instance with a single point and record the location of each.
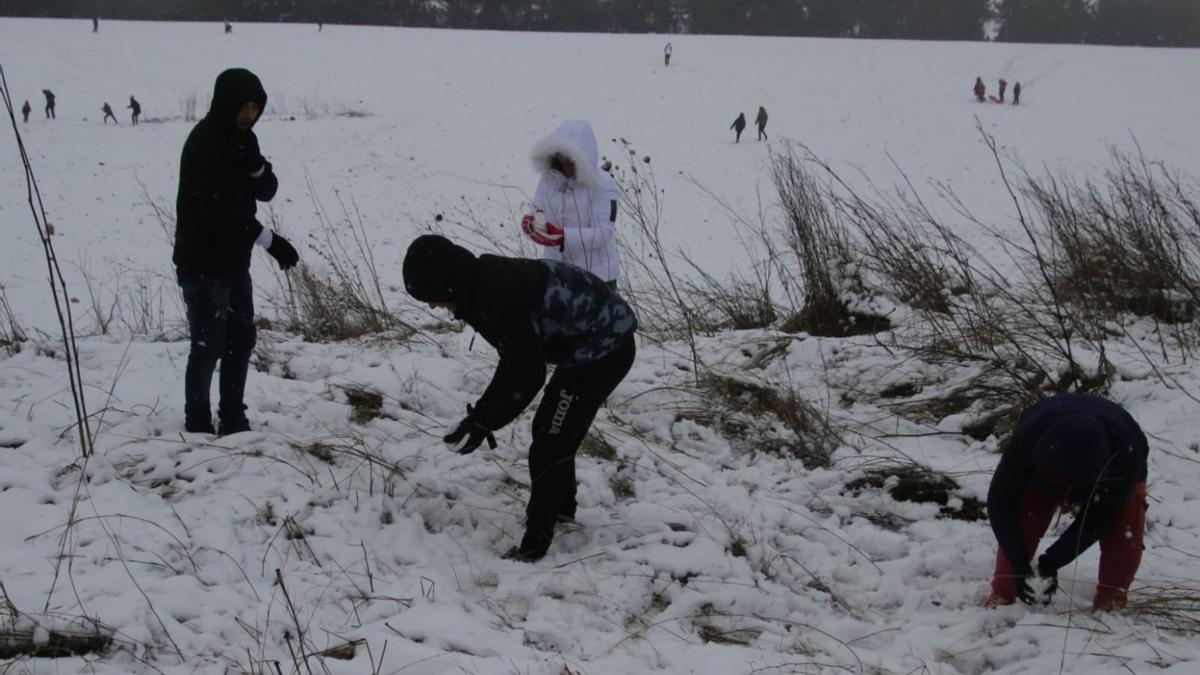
(1173, 23)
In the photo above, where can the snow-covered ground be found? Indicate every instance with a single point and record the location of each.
(694, 553)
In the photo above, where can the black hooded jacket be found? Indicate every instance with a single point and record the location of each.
(215, 224)
(533, 312)
(1103, 496)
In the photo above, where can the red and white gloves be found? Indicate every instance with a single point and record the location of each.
(540, 230)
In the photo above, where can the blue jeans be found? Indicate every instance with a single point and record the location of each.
(220, 315)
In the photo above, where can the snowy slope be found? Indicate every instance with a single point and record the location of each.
(693, 553)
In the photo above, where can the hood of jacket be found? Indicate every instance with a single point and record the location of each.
(233, 89)
(575, 140)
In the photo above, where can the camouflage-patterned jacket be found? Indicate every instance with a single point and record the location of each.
(536, 312)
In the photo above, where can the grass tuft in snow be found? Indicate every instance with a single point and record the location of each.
(913, 482)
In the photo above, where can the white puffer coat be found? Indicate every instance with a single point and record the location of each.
(585, 207)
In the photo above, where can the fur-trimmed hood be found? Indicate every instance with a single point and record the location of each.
(575, 139)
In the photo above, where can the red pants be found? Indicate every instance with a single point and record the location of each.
(1120, 548)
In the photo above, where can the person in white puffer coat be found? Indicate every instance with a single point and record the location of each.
(575, 203)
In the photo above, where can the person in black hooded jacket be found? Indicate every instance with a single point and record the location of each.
(222, 173)
(534, 313)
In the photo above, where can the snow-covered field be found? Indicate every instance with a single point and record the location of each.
(694, 554)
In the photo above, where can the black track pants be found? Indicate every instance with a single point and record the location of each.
(569, 404)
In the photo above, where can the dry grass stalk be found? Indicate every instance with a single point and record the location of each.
(12, 335)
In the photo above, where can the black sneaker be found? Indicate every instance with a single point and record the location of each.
(234, 427)
(199, 427)
(515, 553)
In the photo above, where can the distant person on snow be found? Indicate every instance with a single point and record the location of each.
(667, 55)
(95, 24)
(1070, 449)
(228, 26)
(135, 107)
(26, 109)
(738, 125)
(575, 202)
(534, 313)
(108, 113)
(980, 90)
(222, 173)
(49, 103)
(1017, 93)
(1003, 87)
(761, 121)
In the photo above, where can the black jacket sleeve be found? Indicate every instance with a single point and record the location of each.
(506, 302)
(1004, 501)
(518, 377)
(1098, 514)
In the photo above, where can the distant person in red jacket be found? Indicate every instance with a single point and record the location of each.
(980, 90)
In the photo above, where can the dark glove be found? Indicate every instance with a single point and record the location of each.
(283, 252)
(1049, 574)
(249, 158)
(469, 435)
(1028, 594)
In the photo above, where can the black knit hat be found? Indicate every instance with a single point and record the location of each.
(1074, 451)
(438, 270)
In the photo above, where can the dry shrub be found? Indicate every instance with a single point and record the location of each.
(1171, 606)
(343, 297)
(365, 405)
(650, 283)
(1127, 243)
(819, 241)
(738, 406)
(739, 303)
(917, 483)
(596, 444)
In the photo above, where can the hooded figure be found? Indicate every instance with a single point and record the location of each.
(667, 55)
(980, 89)
(137, 108)
(222, 174)
(738, 125)
(26, 109)
(1017, 94)
(108, 112)
(49, 103)
(534, 313)
(1069, 449)
(577, 201)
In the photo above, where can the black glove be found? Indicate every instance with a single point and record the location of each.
(249, 158)
(283, 252)
(469, 435)
(1050, 575)
(1025, 588)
